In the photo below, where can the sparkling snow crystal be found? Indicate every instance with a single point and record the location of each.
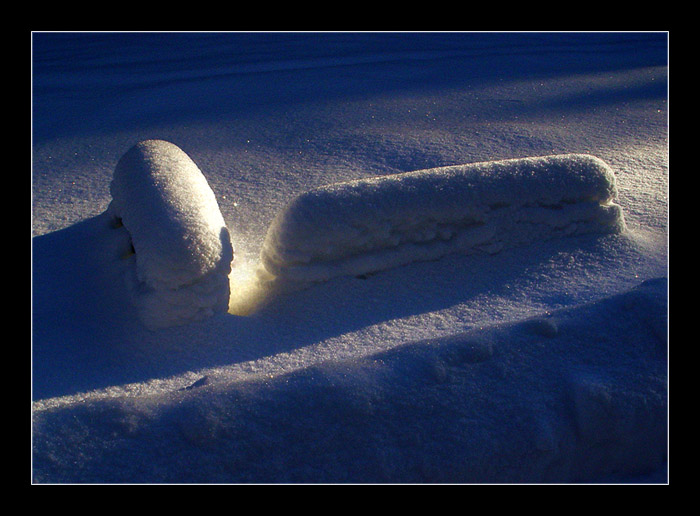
(372, 224)
(178, 250)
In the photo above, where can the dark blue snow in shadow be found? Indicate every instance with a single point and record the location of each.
(86, 83)
(80, 311)
(583, 402)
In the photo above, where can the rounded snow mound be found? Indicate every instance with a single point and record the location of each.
(178, 249)
(368, 225)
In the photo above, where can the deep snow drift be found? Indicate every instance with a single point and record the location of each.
(543, 362)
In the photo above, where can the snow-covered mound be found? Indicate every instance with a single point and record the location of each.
(176, 245)
(368, 225)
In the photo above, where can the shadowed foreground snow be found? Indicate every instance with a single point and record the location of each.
(541, 362)
(576, 395)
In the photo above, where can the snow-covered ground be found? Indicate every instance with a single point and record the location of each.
(542, 362)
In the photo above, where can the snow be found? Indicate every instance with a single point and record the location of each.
(179, 250)
(369, 225)
(416, 353)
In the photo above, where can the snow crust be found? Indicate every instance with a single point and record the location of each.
(368, 225)
(177, 249)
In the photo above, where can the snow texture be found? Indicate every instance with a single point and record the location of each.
(512, 402)
(177, 247)
(368, 225)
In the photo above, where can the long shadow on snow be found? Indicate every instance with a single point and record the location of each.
(80, 313)
(86, 335)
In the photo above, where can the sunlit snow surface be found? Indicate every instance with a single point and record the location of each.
(541, 363)
(369, 225)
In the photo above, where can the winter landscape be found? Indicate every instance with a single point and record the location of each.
(349, 258)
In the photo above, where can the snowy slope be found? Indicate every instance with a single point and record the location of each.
(545, 362)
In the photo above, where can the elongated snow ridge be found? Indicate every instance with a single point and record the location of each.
(182, 250)
(368, 225)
